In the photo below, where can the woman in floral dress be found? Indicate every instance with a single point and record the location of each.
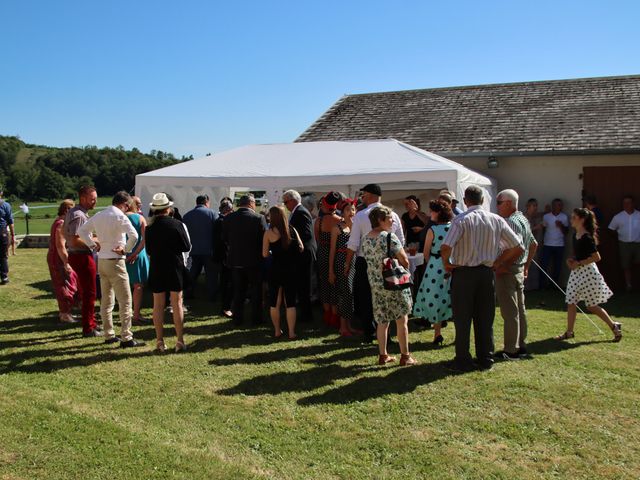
(388, 305)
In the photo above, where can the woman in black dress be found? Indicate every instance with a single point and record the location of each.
(322, 229)
(337, 263)
(283, 244)
(413, 220)
(166, 241)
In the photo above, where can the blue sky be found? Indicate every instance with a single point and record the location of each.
(192, 77)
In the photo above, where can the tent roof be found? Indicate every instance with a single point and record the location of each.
(314, 163)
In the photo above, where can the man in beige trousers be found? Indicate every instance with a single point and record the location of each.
(510, 280)
(116, 238)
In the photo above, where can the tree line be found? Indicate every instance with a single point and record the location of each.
(34, 172)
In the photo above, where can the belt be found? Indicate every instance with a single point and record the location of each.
(110, 259)
(472, 268)
(80, 252)
(435, 255)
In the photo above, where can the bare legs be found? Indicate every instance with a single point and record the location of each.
(346, 330)
(437, 331)
(137, 300)
(290, 314)
(178, 318)
(382, 332)
(158, 318)
(596, 310)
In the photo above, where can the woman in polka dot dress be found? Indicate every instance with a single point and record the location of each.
(585, 281)
(433, 301)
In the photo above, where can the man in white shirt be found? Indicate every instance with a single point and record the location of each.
(627, 225)
(478, 244)
(371, 196)
(117, 237)
(556, 227)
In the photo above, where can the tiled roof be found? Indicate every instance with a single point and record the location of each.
(571, 116)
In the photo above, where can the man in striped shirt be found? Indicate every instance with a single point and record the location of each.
(471, 253)
(510, 281)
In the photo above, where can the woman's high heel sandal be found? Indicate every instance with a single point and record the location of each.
(565, 336)
(160, 347)
(438, 340)
(407, 360)
(617, 331)
(180, 347)
(384, 359)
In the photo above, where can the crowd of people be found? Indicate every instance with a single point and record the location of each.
(278, 258)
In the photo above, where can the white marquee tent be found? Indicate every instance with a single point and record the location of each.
(310, 167)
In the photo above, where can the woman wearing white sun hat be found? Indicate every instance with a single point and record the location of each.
(166, 241)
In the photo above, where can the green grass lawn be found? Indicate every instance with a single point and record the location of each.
(42, 215)
(239, 405)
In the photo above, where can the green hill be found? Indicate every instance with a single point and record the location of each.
(38, 172)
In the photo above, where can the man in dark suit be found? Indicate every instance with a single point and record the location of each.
(242, 231)
(302, 221)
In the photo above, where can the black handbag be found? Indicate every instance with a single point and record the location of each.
(394, 275)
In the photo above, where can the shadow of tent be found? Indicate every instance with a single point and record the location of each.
(399, 381)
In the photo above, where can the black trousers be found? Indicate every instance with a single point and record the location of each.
(4, 254)
(247, 279)
(473, 301)
(225, 287)
(198, 263)
(304, 270)
(363, 307)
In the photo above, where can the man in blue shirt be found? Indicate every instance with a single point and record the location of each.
(7, 238)
(200, 222)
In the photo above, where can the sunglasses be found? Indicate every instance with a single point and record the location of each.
(500, 202)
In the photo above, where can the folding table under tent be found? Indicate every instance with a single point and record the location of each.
(310, 167)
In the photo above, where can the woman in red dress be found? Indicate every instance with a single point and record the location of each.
(65, 282)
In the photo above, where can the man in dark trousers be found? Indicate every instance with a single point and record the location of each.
(200, 222)
(302, 221)
(471, 253)
(371, 196)
(242, 231)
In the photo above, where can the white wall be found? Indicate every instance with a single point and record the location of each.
(546, 177)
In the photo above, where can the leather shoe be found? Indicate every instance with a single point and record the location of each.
(131, 343)
(485, 364)
(96, 332)
(111, 340)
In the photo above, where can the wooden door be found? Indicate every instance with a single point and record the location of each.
(609, 185)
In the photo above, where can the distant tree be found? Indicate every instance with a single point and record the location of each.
(50, 185)
(109, 169)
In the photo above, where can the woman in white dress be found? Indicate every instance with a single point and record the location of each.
(585, 281)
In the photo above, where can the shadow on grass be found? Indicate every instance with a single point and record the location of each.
(45, 287)
(399, 381)
(46, 322)
(551, 345)
(49, 365)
